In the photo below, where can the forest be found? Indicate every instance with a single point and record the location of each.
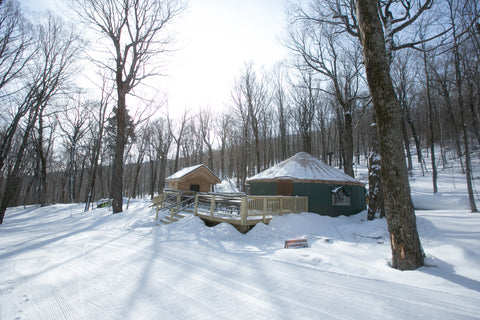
(63, 143)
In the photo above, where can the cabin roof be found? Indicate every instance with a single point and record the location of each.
(188, 170)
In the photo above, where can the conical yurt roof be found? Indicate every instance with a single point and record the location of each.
(302, 167)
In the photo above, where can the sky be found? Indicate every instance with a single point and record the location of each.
(215, 38)
(219, 37)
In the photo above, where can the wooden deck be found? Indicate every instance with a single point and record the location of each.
(241, 211)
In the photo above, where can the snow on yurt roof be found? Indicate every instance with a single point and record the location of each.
(303, 166)
(183, 172)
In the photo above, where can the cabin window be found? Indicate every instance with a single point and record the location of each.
(195, 187)
(340, 197)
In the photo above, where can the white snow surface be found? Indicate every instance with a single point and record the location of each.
(57, 262)
(303, 166)
(227, 186)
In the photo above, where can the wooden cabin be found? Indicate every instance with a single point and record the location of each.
(329, 191)
(196, 178)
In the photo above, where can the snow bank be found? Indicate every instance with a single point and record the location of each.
(60, 263)
(440, 202)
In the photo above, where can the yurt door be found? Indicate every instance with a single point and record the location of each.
(284, 188)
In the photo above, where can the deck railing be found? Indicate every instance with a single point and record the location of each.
(237, 209)
(247, 208)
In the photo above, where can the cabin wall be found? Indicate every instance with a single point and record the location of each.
(186, 184)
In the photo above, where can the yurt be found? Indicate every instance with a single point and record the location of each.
(330, 191)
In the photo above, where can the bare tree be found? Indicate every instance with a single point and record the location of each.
(16, 43)
(178, 136)
(162, 141)
(224, 123)
(456, 8)
(305, 101)
(136, 30)
(380, 23)
(407, 251)
(97, 128)
(241, 138)
(404, 84)
(338, 60)
(57, 51)
(207, 133)
(280, 101)
(43, 145)
(16, 50)
(140, 152)
(254, 93)
(430, 118)
(73, 125)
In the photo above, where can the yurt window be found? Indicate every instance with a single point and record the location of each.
(340, 197)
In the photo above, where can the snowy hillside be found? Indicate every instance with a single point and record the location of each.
(60, 263)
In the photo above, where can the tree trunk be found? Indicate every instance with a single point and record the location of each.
(471, 105)
(138, 166)
(93, 171)
(254, 122)
(459, 85)
(406, 141)
(430, 120)
(162, 175)
(283, 132)
(407, 252)
(448, 102)
(153, 176)
(348, 145)
(306, 142)
(71, 177)
(117, 168)
(376, 207)
(12, 183)
(42, 172)
(411, 123)
(78, 188)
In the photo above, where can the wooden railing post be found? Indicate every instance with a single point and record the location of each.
(281, 206)
(179, 199)
(171, 214)
(212, 205)
(295, 205)
(161, 199)
(243, 211)
(264, 210)
(196, 205)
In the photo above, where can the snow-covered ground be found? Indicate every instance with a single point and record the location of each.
(60, 263)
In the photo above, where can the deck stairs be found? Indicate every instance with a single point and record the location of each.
(178, 210)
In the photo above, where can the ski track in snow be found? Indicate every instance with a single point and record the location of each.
(98, 266)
